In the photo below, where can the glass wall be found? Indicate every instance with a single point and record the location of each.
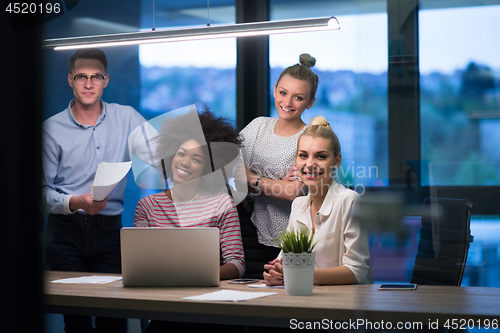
(351, 64)
(458, 104)
(460, 113)
(459, 89)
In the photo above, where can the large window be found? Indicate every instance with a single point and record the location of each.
(351, 64)
(174, 75)
(177, 74)
(460, 114)
(460, 94)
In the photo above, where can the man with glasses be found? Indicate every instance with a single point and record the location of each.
(83, 234)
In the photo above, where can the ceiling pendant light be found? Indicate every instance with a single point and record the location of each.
(187, 34)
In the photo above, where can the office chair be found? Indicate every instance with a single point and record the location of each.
(444, 242)
(443, 245)
(256, 254)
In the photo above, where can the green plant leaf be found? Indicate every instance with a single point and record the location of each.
(296, 241)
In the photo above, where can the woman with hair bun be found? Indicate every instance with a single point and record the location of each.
(342, 252)
(268, 151)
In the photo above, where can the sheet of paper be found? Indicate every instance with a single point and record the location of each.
(108, 175)
(263, 285)
(229, 296)
(90, 279)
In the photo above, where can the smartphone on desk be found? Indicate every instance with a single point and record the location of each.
(398, 286)
(243, 281)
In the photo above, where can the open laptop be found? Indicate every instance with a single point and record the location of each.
(170, 257)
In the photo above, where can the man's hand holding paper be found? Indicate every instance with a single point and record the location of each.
(108, 175)
(87, 203)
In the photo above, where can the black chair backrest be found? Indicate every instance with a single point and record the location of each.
(256, 254)
(444, 242)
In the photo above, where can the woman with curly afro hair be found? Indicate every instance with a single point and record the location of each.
(193, 149)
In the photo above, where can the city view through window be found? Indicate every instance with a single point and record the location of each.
(459, 97)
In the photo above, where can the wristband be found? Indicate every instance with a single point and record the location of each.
(257, 182)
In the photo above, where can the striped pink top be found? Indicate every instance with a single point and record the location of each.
(209, 210)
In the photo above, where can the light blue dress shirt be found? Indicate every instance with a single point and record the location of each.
(71, 153)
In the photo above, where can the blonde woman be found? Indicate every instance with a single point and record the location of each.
(269, 151)
(342, 253)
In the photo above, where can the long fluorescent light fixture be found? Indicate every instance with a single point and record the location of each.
(208, 32)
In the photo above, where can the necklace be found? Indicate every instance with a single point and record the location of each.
(183, 205)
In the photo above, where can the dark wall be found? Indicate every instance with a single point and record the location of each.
(21, 233)
(34, 86)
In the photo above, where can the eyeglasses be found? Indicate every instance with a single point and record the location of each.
(96, 79)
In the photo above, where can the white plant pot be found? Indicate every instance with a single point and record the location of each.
(298, 273)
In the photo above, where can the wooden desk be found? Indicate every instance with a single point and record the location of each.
(336, 303)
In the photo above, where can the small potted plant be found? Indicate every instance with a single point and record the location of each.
(298, 261)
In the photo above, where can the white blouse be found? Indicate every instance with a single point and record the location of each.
(341, 241)
(271, 156)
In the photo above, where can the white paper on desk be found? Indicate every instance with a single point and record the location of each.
(263, 285)
(228, 296)
(90, 279)
(107, 176)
